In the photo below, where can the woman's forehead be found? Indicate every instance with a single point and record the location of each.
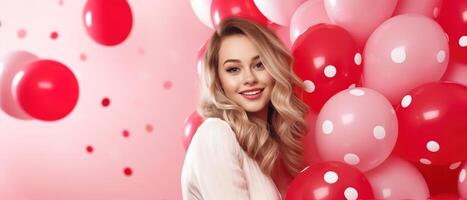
(237, 47)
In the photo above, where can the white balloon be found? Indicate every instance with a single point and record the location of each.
(278, 11)
(202, 10)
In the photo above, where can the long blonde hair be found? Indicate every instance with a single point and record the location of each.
(286, 125)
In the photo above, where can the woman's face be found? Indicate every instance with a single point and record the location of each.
(240, 71)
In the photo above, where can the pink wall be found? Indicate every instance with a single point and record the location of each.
(150, 80)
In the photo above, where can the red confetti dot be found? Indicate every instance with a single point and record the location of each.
(126, 133)
(89, 149)
(54, 35)
(167, 84)
(60, 2)
(21, 33)
(127, 171)
(83, 57)
(105, 102)
(149, 128)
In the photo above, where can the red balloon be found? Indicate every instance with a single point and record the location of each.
(326, 59)
(191, 124)
(222, 9)
(330, 180)
(441, 178)
(452, 18)
(47, 90)
(433, 124)
(445, 196)
(108, 22)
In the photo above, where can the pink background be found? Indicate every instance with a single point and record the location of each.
(151, 82)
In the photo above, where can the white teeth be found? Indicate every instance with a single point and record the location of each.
(252, 93)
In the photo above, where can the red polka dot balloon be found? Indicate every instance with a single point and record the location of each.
(433, 124)
(330, 180)
(47, 90)
(453, 19)
(327, 60)
(108, 22)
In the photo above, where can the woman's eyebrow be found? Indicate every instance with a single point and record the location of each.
(236, 60)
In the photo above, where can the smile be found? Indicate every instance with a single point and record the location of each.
(252, 95)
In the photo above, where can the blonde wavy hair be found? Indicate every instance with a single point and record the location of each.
(280, 136)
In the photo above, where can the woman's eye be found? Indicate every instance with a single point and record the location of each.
(233, 69)
(259, 65)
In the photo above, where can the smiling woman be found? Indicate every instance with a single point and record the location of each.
(253, 122)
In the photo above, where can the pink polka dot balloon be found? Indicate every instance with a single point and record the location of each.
(433, 124)
(397, 59)
(330, 180)
(429, 8)
(357, 126)
(359, 17)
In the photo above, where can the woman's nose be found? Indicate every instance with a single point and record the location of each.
(249, 77)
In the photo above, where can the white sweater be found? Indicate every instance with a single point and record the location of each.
(217, 168)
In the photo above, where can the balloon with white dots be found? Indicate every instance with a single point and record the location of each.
(357, 92)
(379, 132)
(463, 41)
(358, 58)
(406, 101)
(351, 193)
(330, 177)
(309, 86)
(432, 146)
(327, 127)
(330, 71)
(398, 55)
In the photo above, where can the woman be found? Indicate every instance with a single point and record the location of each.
(253, 120)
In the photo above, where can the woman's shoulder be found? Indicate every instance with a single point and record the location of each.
(214, 131)
(214, 122)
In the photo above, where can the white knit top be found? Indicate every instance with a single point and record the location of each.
(216, 167)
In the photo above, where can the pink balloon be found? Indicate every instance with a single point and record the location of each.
(429, 8)
(9, 67)
(456, 72)
(398, 58)
(202, 9)
(282, 33)
(462, 183)
(396, 178)
(308, 14)
(357, 126)
(359, 17)
(278, 11)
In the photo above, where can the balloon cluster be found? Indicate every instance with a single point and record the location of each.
(44, 89)
(387, 122)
